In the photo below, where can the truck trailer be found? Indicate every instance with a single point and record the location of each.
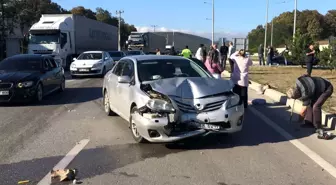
(180, 40)
(148, 42)
(65, 36)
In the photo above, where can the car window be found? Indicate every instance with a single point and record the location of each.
(116, 54)
(107, 55)
(52, 63)
(21, 64)
(118, 68)
(90, 56)
(160, 69)
(46, 64)
(128, 69)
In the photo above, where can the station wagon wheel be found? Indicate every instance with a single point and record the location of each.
(137, 137)
(106, 102)
(39, 93)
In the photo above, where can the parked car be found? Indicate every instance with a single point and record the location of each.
(91, 63)
(134, 52)
(116, 55)
(169, 98)
(29, 77)
(280, 59)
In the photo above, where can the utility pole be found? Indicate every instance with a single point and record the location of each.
(265, 41)
(272, 32)
(154, 26)
(119, 12)
(213, 22)
(294, 27)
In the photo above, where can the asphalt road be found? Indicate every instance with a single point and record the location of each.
(34, 138)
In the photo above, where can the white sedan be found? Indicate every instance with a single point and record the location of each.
(91, 63)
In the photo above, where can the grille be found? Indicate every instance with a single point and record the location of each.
(6, 85)
(207, 107)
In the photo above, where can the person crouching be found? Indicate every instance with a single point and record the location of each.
(313, 91)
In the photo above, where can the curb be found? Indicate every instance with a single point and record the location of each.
(328, 119)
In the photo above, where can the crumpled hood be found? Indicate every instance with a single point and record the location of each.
(191, 87)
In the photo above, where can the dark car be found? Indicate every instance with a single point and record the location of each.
(134, 52)
(280, 59)
(116, 55)
(29, 78)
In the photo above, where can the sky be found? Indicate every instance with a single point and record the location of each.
(232, 18)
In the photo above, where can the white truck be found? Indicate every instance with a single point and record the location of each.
(148, 42)
(65, 36)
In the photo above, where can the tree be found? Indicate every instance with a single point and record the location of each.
(106, 17)
(299, 46)
(330, 23)
(80, 10)
(125, 31)
(256, 37)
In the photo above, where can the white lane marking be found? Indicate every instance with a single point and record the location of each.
(311, 154)
(66, 160)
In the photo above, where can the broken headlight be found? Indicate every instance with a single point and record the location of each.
(158, 105)
(232, 101)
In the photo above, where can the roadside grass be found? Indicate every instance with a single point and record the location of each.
(254, 58)
(281, 78)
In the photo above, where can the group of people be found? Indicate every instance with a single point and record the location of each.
(270, 54)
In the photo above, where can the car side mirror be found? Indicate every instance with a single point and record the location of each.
(106, 58)
(124, 79)
(74, 59)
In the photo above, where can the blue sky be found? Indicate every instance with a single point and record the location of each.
(231, 17)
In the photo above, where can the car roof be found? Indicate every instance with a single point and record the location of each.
(25, 56)
(93, 52)
(154, 57)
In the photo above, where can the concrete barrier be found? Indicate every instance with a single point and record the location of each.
(276, 96)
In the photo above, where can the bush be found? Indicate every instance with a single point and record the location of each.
(328, 56)
(299, 47)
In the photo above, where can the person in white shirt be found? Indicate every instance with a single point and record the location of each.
(199, 53)
(232, 50)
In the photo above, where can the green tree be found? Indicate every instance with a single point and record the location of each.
(256, 37)
(330, 23)
(106, 17)
(80, 10)
(299, 47)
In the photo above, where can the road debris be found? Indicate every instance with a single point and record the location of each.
(63, 175)
(23, 182)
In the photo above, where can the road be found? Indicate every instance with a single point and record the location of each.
(34, 138)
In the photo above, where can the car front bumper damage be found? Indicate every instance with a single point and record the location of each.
(163, 128)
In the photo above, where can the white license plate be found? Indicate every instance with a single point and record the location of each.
(4, 93)
(207, 126)
(84, 70)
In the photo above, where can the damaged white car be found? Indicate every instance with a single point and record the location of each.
(170, 98)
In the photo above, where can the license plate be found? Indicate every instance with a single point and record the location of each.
(4, 93)
(84, 70)
(211, 127)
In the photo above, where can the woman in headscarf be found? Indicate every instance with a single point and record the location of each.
(212, 63)
(239, 75)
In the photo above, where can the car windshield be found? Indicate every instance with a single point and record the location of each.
(149, 70)
(133, 52)
(21, 64)
(90, 56)
(115, 54)
(43, 38)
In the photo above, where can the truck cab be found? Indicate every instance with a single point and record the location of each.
(136, 41)
(52, 36)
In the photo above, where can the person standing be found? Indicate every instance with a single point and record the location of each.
(232, 49)
(204, 54)
(186, 52)
(158, 52)
(310, 56)
(212, 62)
(270, 55)
(261, 55)
(199, 52)
(240, 75)
(223, 50)
(172, 51)
(313, 91)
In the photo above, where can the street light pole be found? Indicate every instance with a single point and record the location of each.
(213, 22)
(294, 27)
(272, 33)
(154, 26)
(265, 40)
(119, 12)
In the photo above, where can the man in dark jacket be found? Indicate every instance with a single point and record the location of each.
(313, 91)
(310, 56)
(172, 51)
(223, 50)
(261, 55)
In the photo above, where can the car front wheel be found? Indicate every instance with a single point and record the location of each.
(137, 137)
(62, 86)
(39, 93)
(107, 107)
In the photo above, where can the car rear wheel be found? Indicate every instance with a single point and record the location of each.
(137, 137)
(107, 107)
(39, 93)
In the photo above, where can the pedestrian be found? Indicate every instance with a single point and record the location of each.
(232, 50)
(223, 50)
(212, 62)
(199, 53)
(204, 54)
(310, 57)
(186, 52)
(270, 55)
(172, 51)
(158, 52)
(261, 55)
(313, 91)
(240, 75)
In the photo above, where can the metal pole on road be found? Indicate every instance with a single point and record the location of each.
(119, 12)
(154, 26)
(265, 41)
(294, 27)
(213, 22)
